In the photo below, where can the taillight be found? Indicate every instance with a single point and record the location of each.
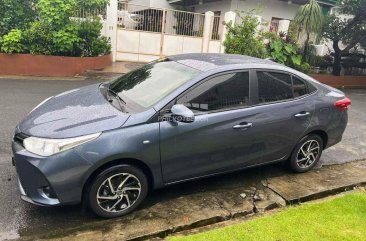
(343, 104)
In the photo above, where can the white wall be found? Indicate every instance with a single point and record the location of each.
(268, 9)
(152, 3)
(223, 6)
(139, 46)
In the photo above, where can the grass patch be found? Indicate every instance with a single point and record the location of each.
(343, 218)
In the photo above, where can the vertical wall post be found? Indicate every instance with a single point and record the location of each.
(111, 23)
(229, 17)
(283, 26)
(259, 20)
(162, 33)
(207, 31)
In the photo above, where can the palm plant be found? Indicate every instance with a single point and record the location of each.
(309, 19)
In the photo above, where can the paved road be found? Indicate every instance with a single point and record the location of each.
(18, 97)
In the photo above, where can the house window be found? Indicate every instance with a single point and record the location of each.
(216, 26)
(274, 24)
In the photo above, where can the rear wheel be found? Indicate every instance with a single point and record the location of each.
(117, 191)
(306, 154)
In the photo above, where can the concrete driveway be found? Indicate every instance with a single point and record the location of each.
(18, 219)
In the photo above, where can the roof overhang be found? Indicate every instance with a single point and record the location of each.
(330, 3)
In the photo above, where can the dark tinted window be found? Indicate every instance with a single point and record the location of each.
(299, 87)
(273, 86)
(222, 92)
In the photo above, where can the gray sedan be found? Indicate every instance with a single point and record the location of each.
(175, 119)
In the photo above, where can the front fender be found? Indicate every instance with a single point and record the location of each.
(139, 142)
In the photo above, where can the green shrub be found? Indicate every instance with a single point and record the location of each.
(54, 33)
(13, 42)
(242, 38)
(304, 67)
(39, 39)
(92, 44)
(66, 41)
(91, 4)
(287, 54)
(284, 53)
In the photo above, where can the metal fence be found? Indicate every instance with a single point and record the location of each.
(83, 14)
(184, 23)
(168, 21)
(137, 17)
(217, 27)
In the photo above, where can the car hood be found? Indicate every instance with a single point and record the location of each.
(73, 113)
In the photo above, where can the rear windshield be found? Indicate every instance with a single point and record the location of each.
(149, 84)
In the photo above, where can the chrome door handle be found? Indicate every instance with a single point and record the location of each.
(243, 126)
(302, 114)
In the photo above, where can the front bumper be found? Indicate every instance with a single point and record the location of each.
(24, 196)
(50, 181)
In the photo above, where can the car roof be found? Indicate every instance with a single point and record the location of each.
(209, 61)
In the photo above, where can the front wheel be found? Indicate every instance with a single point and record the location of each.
(117, 191)
(306, 154)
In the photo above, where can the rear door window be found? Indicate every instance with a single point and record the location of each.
(274, 86)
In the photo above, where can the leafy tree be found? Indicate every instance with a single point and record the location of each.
(309, 18)
(15, 14)
(243, 39)
(55, 13)
(351, 32)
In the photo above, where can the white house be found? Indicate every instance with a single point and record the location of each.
(271, 11)
(143, 30)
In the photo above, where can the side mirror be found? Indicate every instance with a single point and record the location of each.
(181, 113)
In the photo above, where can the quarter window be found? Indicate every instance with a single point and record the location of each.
(273, 86)
(221, 92)
(299, 87)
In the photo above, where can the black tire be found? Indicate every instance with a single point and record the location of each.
(136, 179)
(294, 162)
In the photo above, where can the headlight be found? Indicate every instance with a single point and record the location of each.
(49, 147)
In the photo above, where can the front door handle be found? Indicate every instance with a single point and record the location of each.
(302, 114)
(243, 125)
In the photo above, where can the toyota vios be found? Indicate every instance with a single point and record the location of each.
(172, 120)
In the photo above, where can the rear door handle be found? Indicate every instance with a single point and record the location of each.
(243, 125)
(302, 114)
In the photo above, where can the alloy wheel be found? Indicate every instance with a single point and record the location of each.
(118, 192)
(308, 153)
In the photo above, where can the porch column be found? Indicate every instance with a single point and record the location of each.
(283, 26)
(111, 26)
(259, 19)
(229, 17)
(207, 31)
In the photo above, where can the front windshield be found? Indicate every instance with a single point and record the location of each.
(149, 84)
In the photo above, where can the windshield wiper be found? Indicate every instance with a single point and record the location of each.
(116, 94)
(121, 102)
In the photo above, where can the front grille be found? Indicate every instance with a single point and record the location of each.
(19, 138)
